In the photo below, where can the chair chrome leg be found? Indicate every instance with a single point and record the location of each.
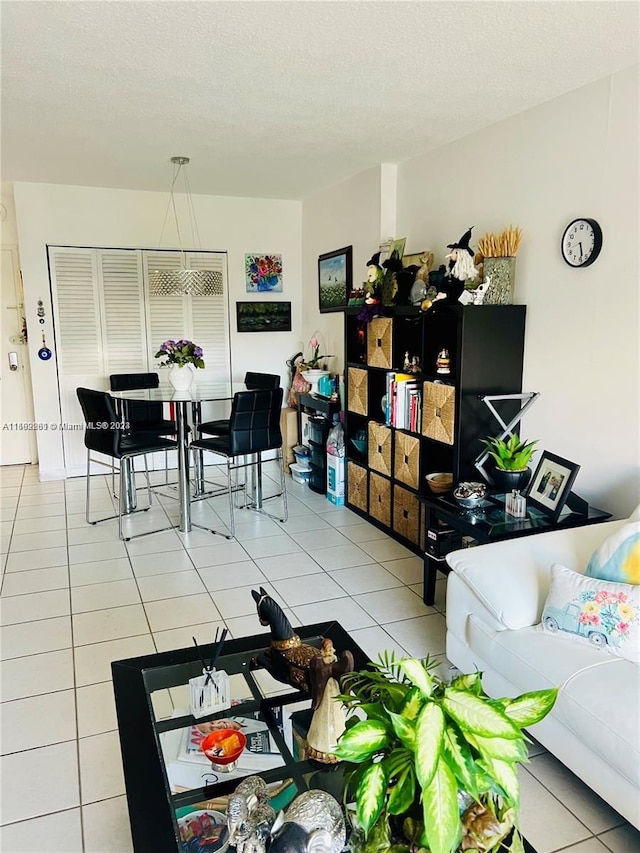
(88, 494)
(146, 474)
(232, 525)
(260, 509)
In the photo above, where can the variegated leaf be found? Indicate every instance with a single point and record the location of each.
(468, 681)
(403, 793)
(531, 707)
(370, 795)
(404, 729)
(429, 731)
(474, 714)
(398, 760)
(442, 825)
(458, 756)
(375, 711)
(505, 749)
(412, 705)
(506, 775)
(363, 740)
(417, 675)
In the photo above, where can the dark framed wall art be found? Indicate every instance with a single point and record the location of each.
(334, 279)
(263, 316)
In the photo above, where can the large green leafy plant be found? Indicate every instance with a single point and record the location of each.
(511, 455)
(437, 758)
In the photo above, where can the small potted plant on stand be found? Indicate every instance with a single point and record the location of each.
(436, 760)
(314, 368)
(512, 459)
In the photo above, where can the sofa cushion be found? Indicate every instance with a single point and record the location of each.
(599, 694)
(594, 611)
(618, 558)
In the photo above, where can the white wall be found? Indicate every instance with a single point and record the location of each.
(574, 156)
(88, 216)
(346, 214)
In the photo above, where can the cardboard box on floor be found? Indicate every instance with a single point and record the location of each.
(289, 430)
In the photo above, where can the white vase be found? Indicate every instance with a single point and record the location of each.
(181, 377)
(313, 376)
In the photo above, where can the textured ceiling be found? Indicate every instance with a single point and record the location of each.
(278, 99)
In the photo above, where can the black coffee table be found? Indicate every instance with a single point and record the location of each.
(161, 780)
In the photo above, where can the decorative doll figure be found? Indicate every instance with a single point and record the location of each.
(460, 268)
(328, 721)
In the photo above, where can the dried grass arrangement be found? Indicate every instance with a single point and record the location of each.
(503, 245)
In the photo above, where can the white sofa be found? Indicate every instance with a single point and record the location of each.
(495, 597)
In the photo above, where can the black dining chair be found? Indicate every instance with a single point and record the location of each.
(254, 428)
(144, 417)
(102, 435)
(253, 382)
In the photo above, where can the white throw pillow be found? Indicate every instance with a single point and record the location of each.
(593, 611)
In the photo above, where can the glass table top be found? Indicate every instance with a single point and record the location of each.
(200, 392)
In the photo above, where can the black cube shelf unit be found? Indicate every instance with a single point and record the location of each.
(486, 347)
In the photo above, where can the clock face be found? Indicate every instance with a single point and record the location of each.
(581, 242)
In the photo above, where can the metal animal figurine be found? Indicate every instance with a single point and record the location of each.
(288, 659)
(261, 819)
(249, 796)
(313, 823)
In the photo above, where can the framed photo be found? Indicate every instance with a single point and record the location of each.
(263, 316)
(334, 280)
(551, 484)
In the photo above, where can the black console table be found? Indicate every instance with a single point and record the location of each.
(447, 522)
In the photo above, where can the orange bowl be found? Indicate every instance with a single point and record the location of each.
(223, 746)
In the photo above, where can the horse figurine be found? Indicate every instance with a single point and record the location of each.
(288, 659)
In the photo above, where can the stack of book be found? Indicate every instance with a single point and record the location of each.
(404, 401)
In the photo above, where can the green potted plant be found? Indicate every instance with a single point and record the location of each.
(436, 760)
(511, 459)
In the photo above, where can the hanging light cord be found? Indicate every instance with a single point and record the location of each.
(195, 233)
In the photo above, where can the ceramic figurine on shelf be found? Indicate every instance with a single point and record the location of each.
(443, 362)
(329, 720)
(375, 277)
(407, 362)
(249, 816)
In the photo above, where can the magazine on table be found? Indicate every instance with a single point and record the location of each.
(188, 767)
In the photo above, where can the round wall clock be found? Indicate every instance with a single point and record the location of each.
(581, 242)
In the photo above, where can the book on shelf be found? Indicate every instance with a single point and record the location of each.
(401, 412)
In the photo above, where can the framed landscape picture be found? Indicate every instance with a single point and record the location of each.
(334, 279)
(263, 316)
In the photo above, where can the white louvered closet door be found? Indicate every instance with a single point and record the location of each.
(107, 322)
(78, 324)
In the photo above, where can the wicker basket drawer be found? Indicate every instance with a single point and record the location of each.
(406, 459)
(379, 339)
(406, 514)
(379, 445)
(357, 486)
(380, 499)
(438, 411)
(357, 390)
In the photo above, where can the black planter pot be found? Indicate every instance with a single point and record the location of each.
(507, 481)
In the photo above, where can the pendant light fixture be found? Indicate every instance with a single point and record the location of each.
(200, 282)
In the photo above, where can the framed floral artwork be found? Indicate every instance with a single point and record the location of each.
(263, 273)
(334, 279)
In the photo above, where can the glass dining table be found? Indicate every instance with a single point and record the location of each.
(188, 411)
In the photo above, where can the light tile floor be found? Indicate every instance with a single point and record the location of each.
(74, 598)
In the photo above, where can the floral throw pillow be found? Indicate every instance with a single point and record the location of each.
(618, 558)
(604, 614)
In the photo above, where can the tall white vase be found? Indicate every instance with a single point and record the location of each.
(181, 377)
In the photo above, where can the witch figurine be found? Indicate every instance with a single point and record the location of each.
(373, 285)
(460, 268)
